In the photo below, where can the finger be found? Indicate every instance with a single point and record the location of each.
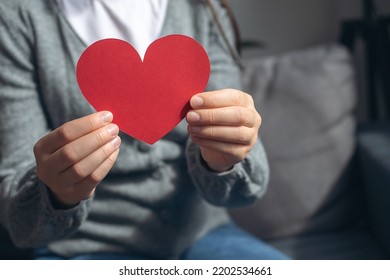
(238, 135)
(79, 149)
(231, 116)
(88, 165)
(232, 152)
(87, 185)
(73, 130)
(221, 98)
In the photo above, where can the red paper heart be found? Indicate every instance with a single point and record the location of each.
(148, 99)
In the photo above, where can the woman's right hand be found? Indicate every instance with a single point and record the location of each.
(74, 158)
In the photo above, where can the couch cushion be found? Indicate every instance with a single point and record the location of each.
(374, 155)
(353, 244)
(306, 99)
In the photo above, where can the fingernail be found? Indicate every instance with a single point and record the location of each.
(112, 129)
(116, 142)
(193, 117)
(106, 116)
(197, 102)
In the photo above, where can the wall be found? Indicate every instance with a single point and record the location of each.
(293, 24)
(285, 25)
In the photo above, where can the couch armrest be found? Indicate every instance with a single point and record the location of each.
(374, 159)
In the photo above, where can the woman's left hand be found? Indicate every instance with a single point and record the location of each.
(225, 125)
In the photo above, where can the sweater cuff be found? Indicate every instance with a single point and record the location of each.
(231, 188)
(52, 210)
(34, 221)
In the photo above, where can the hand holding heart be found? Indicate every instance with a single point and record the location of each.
(148, 98)
(74, 158)
(225, 125)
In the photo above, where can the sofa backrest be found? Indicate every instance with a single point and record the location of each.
(307, 100)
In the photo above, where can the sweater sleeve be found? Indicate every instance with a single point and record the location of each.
(26, 210)
(248, 180)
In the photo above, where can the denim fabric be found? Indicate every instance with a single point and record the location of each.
(227, 242)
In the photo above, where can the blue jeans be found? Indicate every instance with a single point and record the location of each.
(227, 242)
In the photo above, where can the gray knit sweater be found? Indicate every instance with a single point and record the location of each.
(156, 200)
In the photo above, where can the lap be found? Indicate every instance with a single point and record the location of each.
(227, 242)
(45, 254)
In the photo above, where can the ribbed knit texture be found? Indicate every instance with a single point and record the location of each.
(156, 200)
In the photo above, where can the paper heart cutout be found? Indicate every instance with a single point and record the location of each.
(147, 98)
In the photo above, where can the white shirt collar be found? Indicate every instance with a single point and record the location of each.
(137, 21)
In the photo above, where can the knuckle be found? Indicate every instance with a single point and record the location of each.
(95, 178)
(232, 150)
(213, 132)
(112, 158)
(242, 116)
(244, 135)
(258, 119)
(69, 155)
(253, 118)
(106, 150)
(91, 123)
(78, 171)
(64, 133)
(209, 132)
(98, 175)
(212, 116)
(236, 97)
(213, 100)
(100, 139)
(237, 154)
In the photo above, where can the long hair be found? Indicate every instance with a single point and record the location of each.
(235, 49)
